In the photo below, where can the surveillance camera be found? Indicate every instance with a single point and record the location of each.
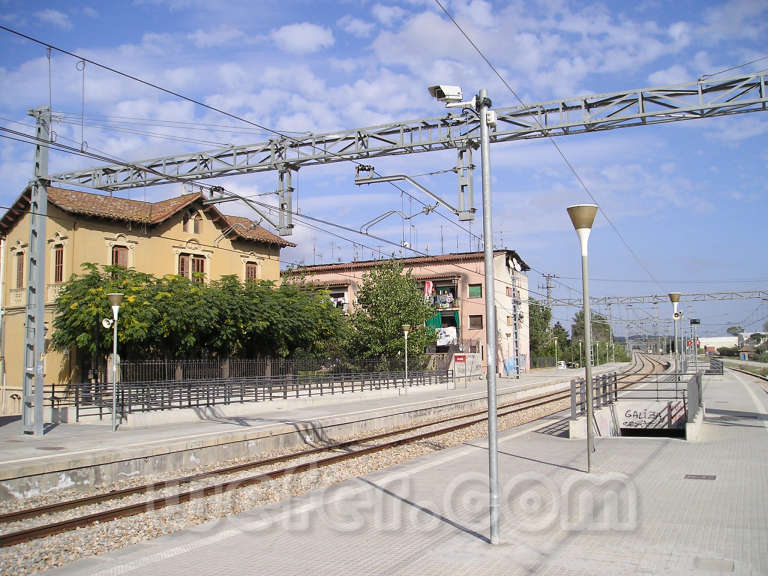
(445, 93)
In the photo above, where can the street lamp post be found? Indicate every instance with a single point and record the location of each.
(406, 329)
(508, 335)
(481, 105)
(582, 217)
(674, 297)
(115, 299)
(694, 337)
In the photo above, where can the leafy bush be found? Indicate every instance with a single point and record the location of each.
(728, 351)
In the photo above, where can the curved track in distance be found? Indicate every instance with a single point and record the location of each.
(291, 464)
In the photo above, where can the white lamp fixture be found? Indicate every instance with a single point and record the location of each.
(115, 299)
(582, 217)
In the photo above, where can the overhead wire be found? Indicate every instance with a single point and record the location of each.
(218, 110)
(283, 134)
(31, 140)
(157, 135)
(199, 103)
(713, 74)
(551, 139)
(70, 149)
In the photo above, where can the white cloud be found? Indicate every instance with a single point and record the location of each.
(733, 130)
(347, 65)
(387, 15)
(302, 38)
(90, 12)
(680, 32)
(295, 78)
(736, 19)
(355, 26)
(54, 18)
(673, 75)
(479, 12)
(220, 36)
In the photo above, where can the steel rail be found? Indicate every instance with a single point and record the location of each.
(19, 536)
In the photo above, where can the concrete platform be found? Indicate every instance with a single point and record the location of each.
(650, 506)
(91, 454)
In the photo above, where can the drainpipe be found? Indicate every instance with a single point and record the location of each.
(2, 323)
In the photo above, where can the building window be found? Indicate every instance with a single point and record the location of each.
(19, 270)
(475, 291)
(510, 321)
(509, 291)
(198, 268)
(251, 271)
(58, 263)
(120, 256)
(339, 300)
(475, 321)
(192, 266)
(184, 265)
(192, 222)
(445, 296)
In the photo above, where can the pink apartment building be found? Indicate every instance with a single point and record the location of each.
(455, 283)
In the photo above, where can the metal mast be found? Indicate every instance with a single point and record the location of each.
(34, 325)
(568, 116)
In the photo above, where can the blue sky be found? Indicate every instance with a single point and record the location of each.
(689, 198)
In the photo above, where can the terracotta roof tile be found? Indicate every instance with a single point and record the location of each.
(249, 230)
(115, 208)
(126, 210)
(436, 259)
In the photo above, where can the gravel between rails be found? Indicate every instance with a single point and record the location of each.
(62, 549)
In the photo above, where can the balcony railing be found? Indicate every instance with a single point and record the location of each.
(53, 291)
(18, 297)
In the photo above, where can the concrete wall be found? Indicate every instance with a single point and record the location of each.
(463, 272)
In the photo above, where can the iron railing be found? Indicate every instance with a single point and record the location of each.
(604, 392)
(154, 395)
(685, 389)
(715, 367)
(223, 369)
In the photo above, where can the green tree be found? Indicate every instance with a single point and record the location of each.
(387, 299)
(184, 316)
(755, 338)
(601, 329)
(82, 305)
(174, 317)
(539, 317)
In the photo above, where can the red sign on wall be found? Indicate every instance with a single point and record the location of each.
(459, 358)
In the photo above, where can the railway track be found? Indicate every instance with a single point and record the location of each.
(184, 490)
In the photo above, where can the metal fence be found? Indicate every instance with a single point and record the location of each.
(604, 392)
(715, 367)
(156, 395)
(223, 369)
(658, 388)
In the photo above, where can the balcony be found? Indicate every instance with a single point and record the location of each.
(17, 297)
(52, 291)
(445, 298)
